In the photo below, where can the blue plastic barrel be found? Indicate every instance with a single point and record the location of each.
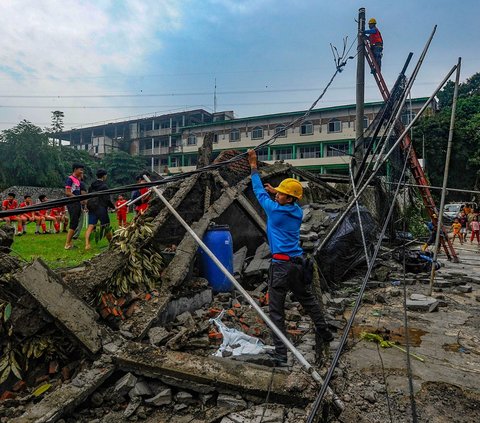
(219, 241)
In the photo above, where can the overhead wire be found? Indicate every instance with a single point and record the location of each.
(318, 400)
(340, 64)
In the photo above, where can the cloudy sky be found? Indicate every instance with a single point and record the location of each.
(100, 60)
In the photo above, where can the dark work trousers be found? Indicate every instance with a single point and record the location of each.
(377, 51)
(287, 276)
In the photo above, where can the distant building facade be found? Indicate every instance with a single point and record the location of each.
(322, 143)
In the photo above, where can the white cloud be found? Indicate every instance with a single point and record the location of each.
(243, 6)
(52, 47)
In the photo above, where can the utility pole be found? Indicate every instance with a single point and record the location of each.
(360, 96)
(445, 175)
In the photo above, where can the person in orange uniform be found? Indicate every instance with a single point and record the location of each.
(141, 205)
(121, 210)
(47, 215)
(28, 217)
(376, 42)
(10, 204)
(60, 214)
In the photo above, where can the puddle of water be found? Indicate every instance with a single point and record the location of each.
(396, 335)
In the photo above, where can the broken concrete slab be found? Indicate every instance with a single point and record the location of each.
(217, 372)
(65, 398)
(157, 335)
(125, 383)
(239, 261)
(229, 401)
(257, 267)
(420, 302)
(263, 251)
(465, 288)
(162, 398)
(79, 319)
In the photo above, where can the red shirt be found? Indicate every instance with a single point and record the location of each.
(9, 205)
(122, 210)
(144, 201)
(29, 214)
(57, 211)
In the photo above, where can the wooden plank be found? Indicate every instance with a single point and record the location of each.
(73, 314)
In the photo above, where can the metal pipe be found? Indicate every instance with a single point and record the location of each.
(395, 145)
(407, 92)
(349, 324)
(445, 174)
(354, 188)
(305, 364)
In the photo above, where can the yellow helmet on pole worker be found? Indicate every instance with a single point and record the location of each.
(291, 187)
(372, 21)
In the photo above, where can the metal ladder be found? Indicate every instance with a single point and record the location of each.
(414, 164)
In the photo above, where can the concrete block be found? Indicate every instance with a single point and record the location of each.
(263, 251)
(229, 401)
(162, 398)
(47, 288)
(184, 397)
(257, 267)
(157, 335)
(465, 288)
(429, 305)
(125, 383)
(181, 305)
(141, 389)
(239, 261)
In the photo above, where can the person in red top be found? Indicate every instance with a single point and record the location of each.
(121, 211)
(10, 204)
(376, 42)
(28, 217)
(47, 215)
(141, 205)
(60, 214)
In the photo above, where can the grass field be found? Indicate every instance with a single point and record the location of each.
(50, 247)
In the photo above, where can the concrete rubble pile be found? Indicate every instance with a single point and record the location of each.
(147, 355)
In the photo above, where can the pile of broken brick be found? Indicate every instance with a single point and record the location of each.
(157, 360)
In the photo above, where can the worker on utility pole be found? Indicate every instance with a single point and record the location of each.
(376, 42)
(289, 269)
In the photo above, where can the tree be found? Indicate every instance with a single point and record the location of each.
(57, 125)
(465, 161)
(26, 156)
(122, 167)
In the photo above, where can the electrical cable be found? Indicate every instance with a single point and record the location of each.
(413, 404)
(349, 324)
(69, 200)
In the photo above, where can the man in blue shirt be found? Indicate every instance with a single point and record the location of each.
(287, 270)
(376, 42)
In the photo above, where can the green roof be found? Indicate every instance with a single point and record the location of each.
(292, 114)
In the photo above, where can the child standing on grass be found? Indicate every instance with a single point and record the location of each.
(475, 226)
(456, 227)
(121, 211)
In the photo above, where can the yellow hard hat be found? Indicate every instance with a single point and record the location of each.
(291, 187)
(372, 21)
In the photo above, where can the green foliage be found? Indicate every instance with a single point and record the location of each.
(122, 167)
(465, 160)
(416, 221)
(30, 158)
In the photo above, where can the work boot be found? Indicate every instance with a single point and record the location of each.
(322, 343)
(279, 360)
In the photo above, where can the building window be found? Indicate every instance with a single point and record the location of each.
(234, 135)
(174, 162)
(311, 152)
(335, 150)
(163, 161)
(282, 153)
(262, 154)
(257, 133)
(334, 125)
(306, 128)
(191, 160)
(365, 122)
(192, 140)
(215, 138)
(280, 131)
